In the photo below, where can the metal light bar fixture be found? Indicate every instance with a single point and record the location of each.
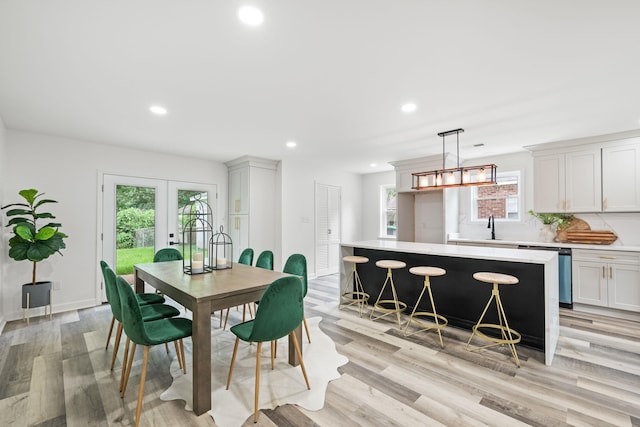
(454, 177)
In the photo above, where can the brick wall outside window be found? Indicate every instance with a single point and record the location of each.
(492, 199)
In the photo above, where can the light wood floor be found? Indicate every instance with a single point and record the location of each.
(52, 374)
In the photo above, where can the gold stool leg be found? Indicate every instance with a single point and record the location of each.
(398, 306)
(359, 296)
(510, 344)
(436, 317)
(503, 325)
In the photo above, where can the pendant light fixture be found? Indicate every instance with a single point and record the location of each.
(454, 177)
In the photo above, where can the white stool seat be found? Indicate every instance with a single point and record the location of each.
(355, 259)
(389, 263)
(499, 278)
(427, 271)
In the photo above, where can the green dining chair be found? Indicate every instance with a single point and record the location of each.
(265, 260)
(280, 312)
(167, 254)
(149, 311)
(246, 258)
(296, 264)
(148, 334)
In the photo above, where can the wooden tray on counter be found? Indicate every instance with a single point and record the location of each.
(591, 237)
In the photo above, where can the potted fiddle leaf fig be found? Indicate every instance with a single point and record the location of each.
(34, 242)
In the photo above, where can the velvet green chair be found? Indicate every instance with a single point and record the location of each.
(265, 260)
(296, 264)
(246, 258)
(148, 334)
(280, 312)
(167, 254)
(149, 311)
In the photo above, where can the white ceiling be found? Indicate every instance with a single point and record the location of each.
(329, 74)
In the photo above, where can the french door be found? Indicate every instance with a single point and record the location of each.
(142, 215)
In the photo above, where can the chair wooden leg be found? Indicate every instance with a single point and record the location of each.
(125, 360)
(304, 371)
(178, 354)
(166, 345)
(233, 359)
(143, 377)
(255, 402)
(306, 328)
(128, 373)
(116, 345)
(225, 319)
(113, 320)
(184, 359)
(221, 313)
(273, 358)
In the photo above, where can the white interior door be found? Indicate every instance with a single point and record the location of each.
(155, 203)
(328, 228)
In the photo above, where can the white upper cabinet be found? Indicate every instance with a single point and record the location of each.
(549, 183)
(567, 182)
(621, 177)
(596, 177)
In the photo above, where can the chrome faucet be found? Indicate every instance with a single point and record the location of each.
(492, 226)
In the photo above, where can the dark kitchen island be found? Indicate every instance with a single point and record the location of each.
(531, 306)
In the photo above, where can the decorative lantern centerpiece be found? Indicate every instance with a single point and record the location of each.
(197, 217)
(221, 251)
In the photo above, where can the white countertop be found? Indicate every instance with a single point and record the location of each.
(476, 252)
(612, 247)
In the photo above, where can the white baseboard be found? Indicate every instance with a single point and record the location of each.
(57, 308)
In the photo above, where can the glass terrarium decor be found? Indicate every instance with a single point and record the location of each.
(221, 251)
(197, 217)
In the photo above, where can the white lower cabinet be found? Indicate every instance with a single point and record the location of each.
(607, 278)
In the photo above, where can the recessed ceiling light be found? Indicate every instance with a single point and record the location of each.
(291, 144)
(250, 15)
(409, 108)
(158, 110)
(373, 165)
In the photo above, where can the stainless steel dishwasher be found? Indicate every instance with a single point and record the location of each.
(564, 272)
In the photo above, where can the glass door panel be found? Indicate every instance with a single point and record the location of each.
(135, 227)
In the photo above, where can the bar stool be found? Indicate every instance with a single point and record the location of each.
(357, 296)
(507, 335)
(440, 320)
(389, 306)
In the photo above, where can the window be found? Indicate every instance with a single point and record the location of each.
(502, 200)
(388, 213)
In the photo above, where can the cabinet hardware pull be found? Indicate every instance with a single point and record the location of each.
(610, 272)
(606, 203)
(606, 257)
(604, 274)
(237, 205)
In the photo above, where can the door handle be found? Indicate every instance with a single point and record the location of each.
(604, 269)
(173, 243)
(610, 272)
(329, 231)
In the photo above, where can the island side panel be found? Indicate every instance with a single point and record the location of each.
(461, 298)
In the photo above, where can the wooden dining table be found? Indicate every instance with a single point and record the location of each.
(205, 294)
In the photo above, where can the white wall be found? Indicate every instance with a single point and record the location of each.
(4, 257)
(370, 218)
(67, 171)
(298, 207)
